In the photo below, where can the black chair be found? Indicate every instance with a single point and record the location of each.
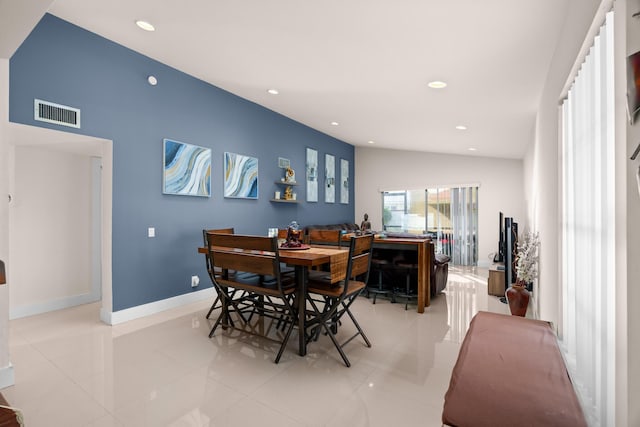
(331, 298)
(265, 291)
(408, 268)
(380, 266)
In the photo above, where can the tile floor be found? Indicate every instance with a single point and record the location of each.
(72, 370)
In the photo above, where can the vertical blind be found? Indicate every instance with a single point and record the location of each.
(464, 217)
(588, 229)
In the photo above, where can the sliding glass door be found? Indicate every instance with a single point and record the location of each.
(448, 214)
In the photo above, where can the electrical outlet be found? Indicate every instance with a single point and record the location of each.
(195, 281)
(151, 232)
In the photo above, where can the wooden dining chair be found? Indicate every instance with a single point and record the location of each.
(331, 297)
(210, 269)
(323, 237)
(267, 293)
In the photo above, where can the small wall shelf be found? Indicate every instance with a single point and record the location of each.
(285, 201)
(287, 185)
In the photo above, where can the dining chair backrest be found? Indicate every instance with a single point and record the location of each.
(229, 230)
(282, 233)
(359, 261)
(249, 254)
(360, 254)
(323, 237)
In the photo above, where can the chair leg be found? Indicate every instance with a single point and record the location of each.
(337, 344)
(213, 306)
(380, 289)
(408, 290)
(215, 325)
(285, 340)
(355, 322)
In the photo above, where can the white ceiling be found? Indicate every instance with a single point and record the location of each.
(362, 63)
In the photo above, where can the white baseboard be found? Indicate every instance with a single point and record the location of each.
(7, 376)
(116, 317)
(47, 306)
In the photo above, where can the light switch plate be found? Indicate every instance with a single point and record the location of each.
(152, 232)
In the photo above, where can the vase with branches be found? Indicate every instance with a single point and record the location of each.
(527, 259)
(526, 272)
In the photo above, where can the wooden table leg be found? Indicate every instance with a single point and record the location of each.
(427, 275)
(422, 266)
(424, 276)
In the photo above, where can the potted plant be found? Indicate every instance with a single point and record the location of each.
(526, 272)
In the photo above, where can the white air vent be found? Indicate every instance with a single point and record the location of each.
(49, 112)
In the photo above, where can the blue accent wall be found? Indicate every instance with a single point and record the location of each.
(65, 64)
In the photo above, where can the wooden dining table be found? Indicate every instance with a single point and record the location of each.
(303, 260)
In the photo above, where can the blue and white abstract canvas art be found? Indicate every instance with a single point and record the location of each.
(187, 169)
(240, 176)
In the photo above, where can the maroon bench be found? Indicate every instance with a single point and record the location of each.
(9, 417)
(510, 372)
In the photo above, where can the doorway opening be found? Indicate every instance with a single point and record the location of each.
(59, 221)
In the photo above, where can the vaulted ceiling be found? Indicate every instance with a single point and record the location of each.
(363, 64)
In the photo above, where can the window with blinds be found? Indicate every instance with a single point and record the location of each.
(588, 245)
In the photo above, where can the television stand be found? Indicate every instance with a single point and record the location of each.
(495, 285)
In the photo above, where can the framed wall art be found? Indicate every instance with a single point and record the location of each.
(344, 181)
(312, 175)
(330, 178)
(240, 176)
(186, 169)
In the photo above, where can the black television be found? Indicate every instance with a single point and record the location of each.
(499, 257)
(510, 251)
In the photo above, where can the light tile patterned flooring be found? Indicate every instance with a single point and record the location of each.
(163, 370)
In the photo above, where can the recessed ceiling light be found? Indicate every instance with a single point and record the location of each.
(437, 84)
(273, 91)
(472, 149)
(371, 142)
(152, 80)
(145, 26)
(461, 127)
(335, 123)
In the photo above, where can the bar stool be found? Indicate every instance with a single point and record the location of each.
(379, 289)
(408, 268)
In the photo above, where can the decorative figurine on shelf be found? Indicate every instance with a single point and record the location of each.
(288, 193)
(289, 175)
(293, 236)
(365, 225)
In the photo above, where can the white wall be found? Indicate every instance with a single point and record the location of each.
(51, 208)
(6, 370)
(500, 180)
